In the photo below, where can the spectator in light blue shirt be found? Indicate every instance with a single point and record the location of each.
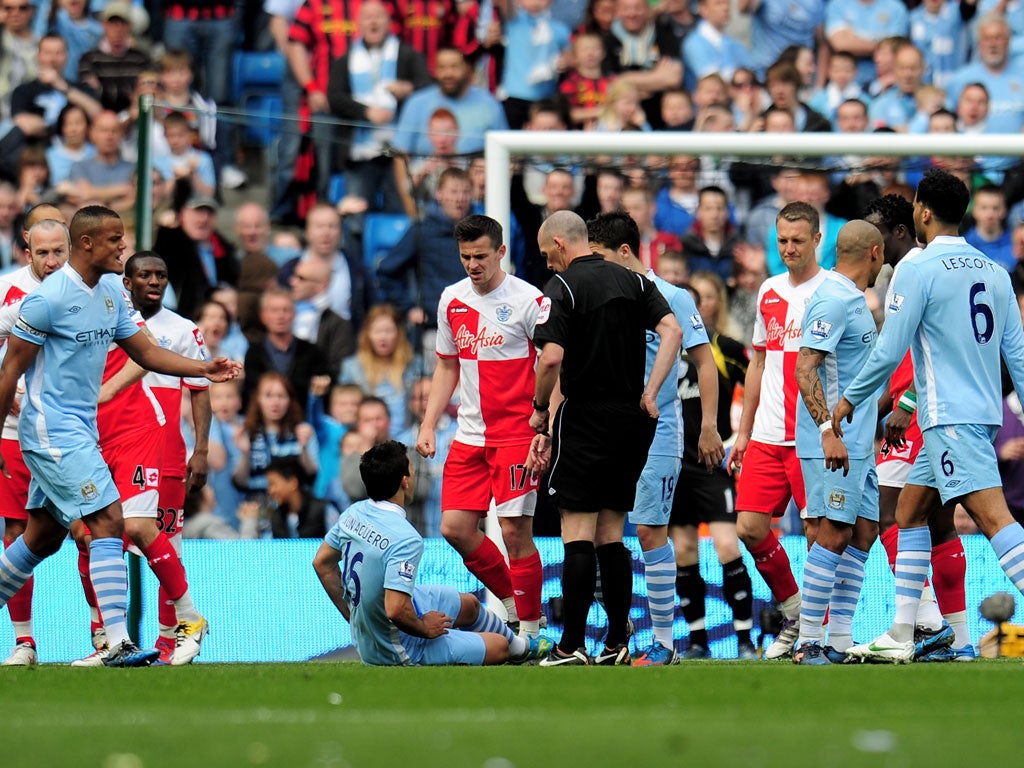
(708, 49)
(938, 29)
(993, 67)
(535, 42)
(777, 24)
(896, 107)
(857, 26)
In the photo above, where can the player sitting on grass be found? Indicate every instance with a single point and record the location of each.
(367, 565)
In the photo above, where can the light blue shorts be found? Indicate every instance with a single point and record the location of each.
(71, 487)
(957, 459)
(842, 499)
(457, 647)
(655, 491)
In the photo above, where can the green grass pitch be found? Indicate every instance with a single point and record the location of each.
(343, 715)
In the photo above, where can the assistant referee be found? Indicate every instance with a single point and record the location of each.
(593, 328)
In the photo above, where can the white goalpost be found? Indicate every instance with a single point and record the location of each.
(502, 146)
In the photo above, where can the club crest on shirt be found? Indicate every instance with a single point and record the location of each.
(109, 303)
(88, 490)
(164, 342)
(821, 329)
(406, 570)
(503, 313)
(836, 499)
(897, 303)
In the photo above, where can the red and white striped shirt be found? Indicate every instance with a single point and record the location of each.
(778, 326)
(492, 338)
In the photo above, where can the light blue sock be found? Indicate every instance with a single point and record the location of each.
(16, 565)
(913, 559)
(488, 621)
(846, 593)
(819, 576)
(110, 581)
(660, 575)
(1009, 548)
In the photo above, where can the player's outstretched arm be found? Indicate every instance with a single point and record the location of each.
(709, 444)
(402, 613)
(446, 377)
(154, 358)
(20, 355)
(325, 563)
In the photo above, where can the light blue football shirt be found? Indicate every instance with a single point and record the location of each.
(75, 325)
(668, 438)
(379, 550)
(837, 321)
(954, 308)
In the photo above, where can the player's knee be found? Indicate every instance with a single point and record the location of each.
(141, 530)
(651, 537)
(496, 648)
(469, 610)
(751, 530)
(456, 533)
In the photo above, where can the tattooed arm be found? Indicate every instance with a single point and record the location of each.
(813, 393)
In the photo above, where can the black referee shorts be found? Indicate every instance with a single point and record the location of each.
(703, 498)
(598, 452)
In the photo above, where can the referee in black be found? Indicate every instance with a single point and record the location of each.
(593, 329)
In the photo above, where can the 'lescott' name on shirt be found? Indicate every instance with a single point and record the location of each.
(969, 262)
(367, 533)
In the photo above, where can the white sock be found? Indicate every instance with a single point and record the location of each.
(928, 616)
(510, 607)
(958, 621)
(517, 645)
(529, 628)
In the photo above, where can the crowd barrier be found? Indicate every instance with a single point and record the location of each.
(265, 603)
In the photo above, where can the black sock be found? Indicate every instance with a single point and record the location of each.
(739, 596)
(617, 583)
(691, 589)
(579, 575)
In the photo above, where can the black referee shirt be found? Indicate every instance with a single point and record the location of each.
(599, 314)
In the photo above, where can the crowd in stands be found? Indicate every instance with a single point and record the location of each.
(391, 100)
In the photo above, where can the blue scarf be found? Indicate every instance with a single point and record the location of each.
(368, 88)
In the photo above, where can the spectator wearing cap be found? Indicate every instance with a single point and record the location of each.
(198, 257)
(106, 178)
(113, 66)
(17, 50)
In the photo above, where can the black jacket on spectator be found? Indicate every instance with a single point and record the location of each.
(311, 523)
(336, 340)
(307, 362)
(699, 257)
(185, 270)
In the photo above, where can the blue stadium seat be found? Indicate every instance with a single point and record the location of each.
(264, 120)
(381, 232)
(256, 73)
(336, 188)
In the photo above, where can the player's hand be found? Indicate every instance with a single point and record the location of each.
(710, 448)
(435, 624)
(836, 456)
(222, 369)
(539, 457)
(896, 427)
(426, 442)
(649, 404)
(739, 448)
(197, 471)
(843, 410)
(539, 421)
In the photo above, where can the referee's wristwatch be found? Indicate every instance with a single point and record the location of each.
(538, 407)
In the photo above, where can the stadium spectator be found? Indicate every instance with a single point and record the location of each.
(425, 508)
(842, 510)
(384, 364)
(776, 25)
(585, 84)
(214, 321)
(858, 26)
(989, 233)
(273, 428)
(82, 32)
(296, 513)
(963, 373)
(331, 411)
(711, 240)
(427, 254)
(897, 105)
(183, 163)
(783, 84)
(708, 48)
(416, 178)
(475, 109)
(442, 626)
(537, 43)
(644, 51)
(678, 17)
(223, 456)
(708, 496)
(493, 366)
(70, 143)
(198, 256)
(994, 68)
(676, 202)
(256, 270)
(10, 256)
(638, 202)
(840, 87)
(280, 351)
(765, 442)
(33, 177)
(367, 85)
(616, 238)
(429, 25)
(599, 451)
(372, 427)
(112, 67)
(621, 110)
(676, 111)
(315, 321)
(208, 31)
(283, 197)
(939, 29)
(105, 177)
(36, 104)
(17, 51)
